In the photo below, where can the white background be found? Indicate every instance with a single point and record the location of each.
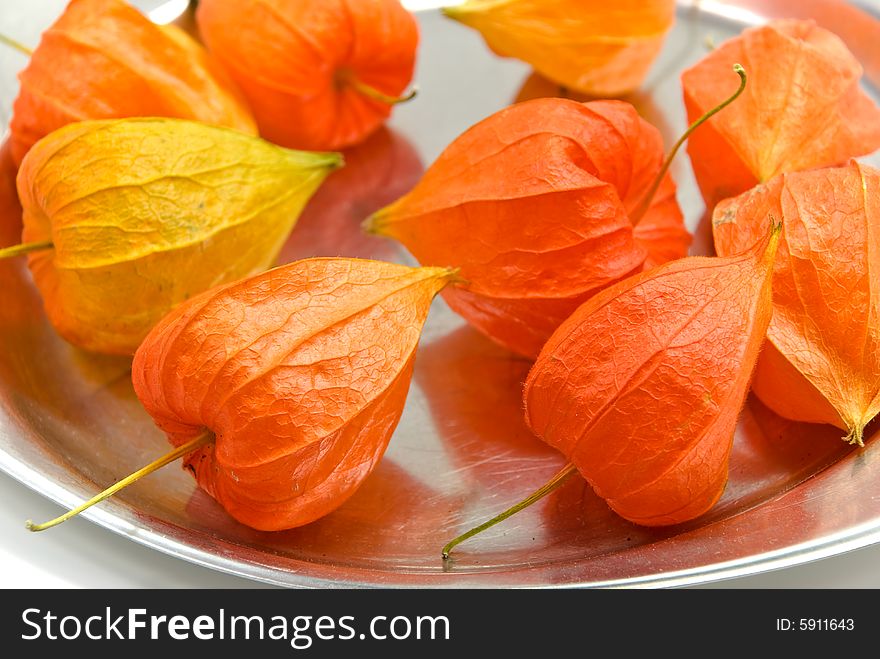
(79, 554)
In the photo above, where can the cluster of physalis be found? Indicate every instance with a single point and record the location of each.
(160, 184)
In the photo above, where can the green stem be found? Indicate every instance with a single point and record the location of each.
(376, 95)
(25, 248)
(645, 203)
(12, 43)
(180, 451)
(540, 493)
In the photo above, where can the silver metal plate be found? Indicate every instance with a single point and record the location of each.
(70, 423)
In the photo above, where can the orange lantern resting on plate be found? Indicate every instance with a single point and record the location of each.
(319, 74)
(803, 108)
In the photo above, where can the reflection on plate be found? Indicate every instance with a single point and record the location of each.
(70, 424)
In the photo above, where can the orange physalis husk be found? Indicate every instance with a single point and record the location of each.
(534, 205)
(803, 108)
(103, 59)
(297, 376)
(854, 22)
(641, 388)
(598, 48)
(319, 74)
(822, 360)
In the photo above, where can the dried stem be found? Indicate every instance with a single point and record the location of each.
(12, 43)
(537, 495)
(645, 203)
(180, 451)
(376, 95)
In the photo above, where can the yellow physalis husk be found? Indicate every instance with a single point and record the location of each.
(599, 48)
(144, 213)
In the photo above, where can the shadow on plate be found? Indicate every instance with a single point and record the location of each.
(377, 172)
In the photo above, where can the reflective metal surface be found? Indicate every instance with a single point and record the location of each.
(70, 423)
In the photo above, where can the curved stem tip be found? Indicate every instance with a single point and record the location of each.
(347, 78)
(179, 452)
(645, 203)
(557, 480)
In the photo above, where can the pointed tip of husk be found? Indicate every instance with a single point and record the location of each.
(770, 244)
(449, 274)
(325, 161)
(456, 12)
(374, 225)
(856, 434)
(775, 234)
(453, 275)
(442, 276)
(332, 161)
